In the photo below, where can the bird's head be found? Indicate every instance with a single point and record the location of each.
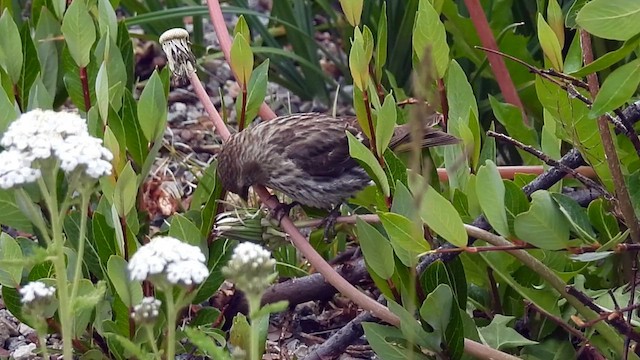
(238, 168)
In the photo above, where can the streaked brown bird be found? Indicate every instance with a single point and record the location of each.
(304, 156)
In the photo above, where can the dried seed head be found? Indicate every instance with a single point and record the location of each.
(176, 45)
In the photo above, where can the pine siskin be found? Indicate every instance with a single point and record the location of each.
(305, 156)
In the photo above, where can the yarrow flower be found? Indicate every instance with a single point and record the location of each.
(36, 292)
(251, 268)
(147, 311)
(168, 260)
(16, 170)
(39, 135)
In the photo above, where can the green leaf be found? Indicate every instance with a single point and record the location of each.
(152, 108)
(256, 91)
(617, 89)
(107, 20)
(126, 191)
(499, 335)
(30, 65)
(367, 36)
(429, 37)
(39, 97)
(386, 123)
(440, 215)
(130, 292)
(491, 198)
(79, 32)
(11, 56)
(10, 261)
(403, 201)
(219, 255)
(8, 115)
(387, 342)
(381, 44)
(242, 28)
(352, 10)
(131, 348)
(183, 229)
(510, 117)
(611, 19)
(515, 201)
(549, 43)
(376, 249)
(543, 225)
(406, 237)
(10, 213)
(360, 152)
(602, 220)
(104, 237)
(137, 144)
(241, 59)
(441, 298)
(609, 58)
(205, 343)
(358, 62)
(576, 215)
(633, 184)
(556, 20)
(102, 92)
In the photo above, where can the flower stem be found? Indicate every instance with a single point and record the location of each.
(254, 306)
(149, 330)
(172, 313)
(43, 344)
(77, 274)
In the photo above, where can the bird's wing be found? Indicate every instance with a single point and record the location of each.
(323, 150)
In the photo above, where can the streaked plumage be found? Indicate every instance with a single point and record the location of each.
(305, 156)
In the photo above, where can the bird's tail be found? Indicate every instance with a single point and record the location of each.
(402, 137)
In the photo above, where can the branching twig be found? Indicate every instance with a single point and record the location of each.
(551, 162)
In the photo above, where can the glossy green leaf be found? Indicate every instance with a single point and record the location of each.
(633, 185)
(403, 202)
(543, 225)
(429, 37)
(500, 336)
(11, 56)
(219, 255)
(602, 220)
(242, 28)
(609, 58)
(152, 108)
(10, 261)
(549, 43)
(10, 213)
(491, 197)
(617, 89)
(441, 298)
(79, 32)
(130, 292)
(515, 202)
(440, 215)
(241, 59)
(376, 249)
(611, 19)
(556, 20)
(360, 152)
(406, 237)
(386, 124)
(107, 20)
(10, 114)
(510, 117)
(30, 65)
(39, 97)
(256, 91)
(125, 194)
(367, 36)
(137, 143)
(352, 10)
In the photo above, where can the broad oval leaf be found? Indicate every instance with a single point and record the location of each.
(386, 124)
(406, 237)
(152, 108)
(10, 47)
(611, 19)
(617, 88)
(549, 43)
(376, 249)
(241, 59)
(440, 215)
(79, 32)
(130, 292)
(10, 261)
(491, 197)
(125, 193)
(352, 10)
(360, 152)
(543, 225)
(429, 37)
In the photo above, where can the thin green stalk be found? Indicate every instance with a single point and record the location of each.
(172, 313)
(148, 329)
(34, 215)
(43, 345)
(254, 306)
(77, 274)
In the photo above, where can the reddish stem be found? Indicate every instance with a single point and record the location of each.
(84, 80)
(444, 104)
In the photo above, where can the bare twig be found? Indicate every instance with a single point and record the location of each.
(551, 162)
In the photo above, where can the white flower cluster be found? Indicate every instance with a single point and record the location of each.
(251, 268)
(36, 291)
(147, 311)
(45, 134)
(167, 259)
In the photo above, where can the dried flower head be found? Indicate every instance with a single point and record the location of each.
(251, 268)
(147, 311)
(167, 261)
(37, 293)
(176, 45)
